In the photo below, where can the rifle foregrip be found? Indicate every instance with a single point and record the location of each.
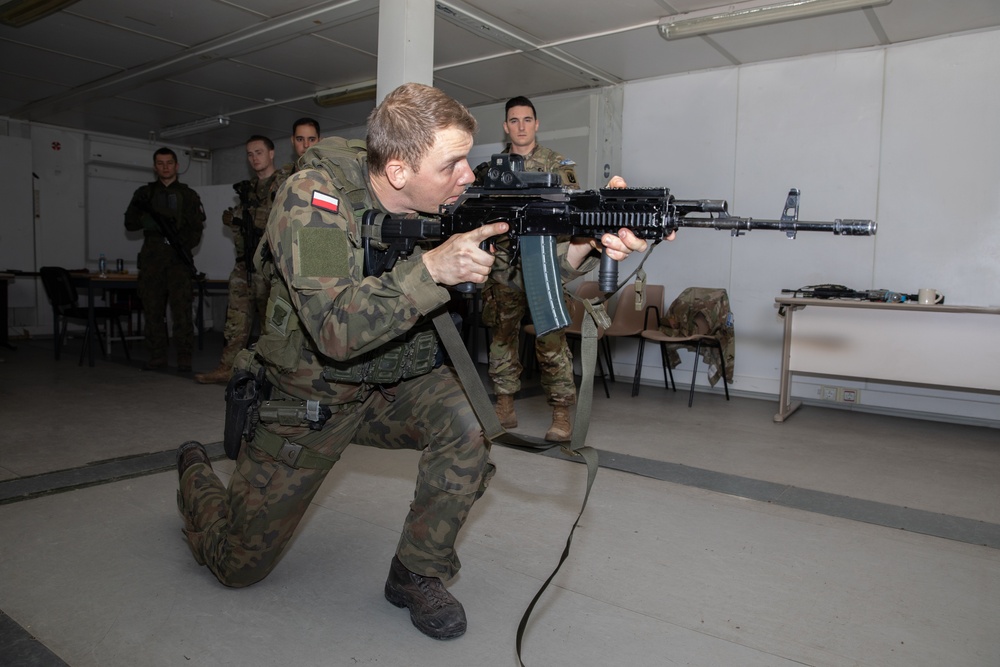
(607, 274)
(542, 284)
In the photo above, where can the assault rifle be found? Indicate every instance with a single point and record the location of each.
(538, 209)
(828, 291)
(169, 232)
(251, 235)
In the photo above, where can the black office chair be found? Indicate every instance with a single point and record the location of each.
(63, 297)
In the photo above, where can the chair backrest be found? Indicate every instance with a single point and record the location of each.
(58, 287)
(699, 311)
(627, 321)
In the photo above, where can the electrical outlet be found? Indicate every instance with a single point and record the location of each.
(828, 393)
(850, 396)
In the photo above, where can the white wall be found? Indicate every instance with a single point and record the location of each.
(81, 185)
(906, 135)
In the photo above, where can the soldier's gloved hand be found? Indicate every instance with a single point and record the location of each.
(227, 217)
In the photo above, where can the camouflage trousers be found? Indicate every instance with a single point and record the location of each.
(239, 532)
(503, 310)
(243, 298)
(160, 284)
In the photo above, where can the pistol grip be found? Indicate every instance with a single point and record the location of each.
(542, 284)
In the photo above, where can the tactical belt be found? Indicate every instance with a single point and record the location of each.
(289, 452)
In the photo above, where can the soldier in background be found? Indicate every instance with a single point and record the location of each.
(345, 359)
(163, 274)
(247, 290)
(504, 306)
(305, 133)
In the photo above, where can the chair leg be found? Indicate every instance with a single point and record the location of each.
(638, 367)
(694, 373)
(121, 334)
(722, 358)
(604, 376)
(606, 345)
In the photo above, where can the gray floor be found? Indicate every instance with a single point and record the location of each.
(713, 537)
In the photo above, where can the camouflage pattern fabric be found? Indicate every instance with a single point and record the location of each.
(163, 277)
(503, 310)
(703, 310)
(244, 297)
(240, 532)
(321, 310)
(504, 307)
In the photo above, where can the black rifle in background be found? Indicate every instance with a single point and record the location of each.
(167, 228)
(828, 291)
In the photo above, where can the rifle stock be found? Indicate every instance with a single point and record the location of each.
(539, 210)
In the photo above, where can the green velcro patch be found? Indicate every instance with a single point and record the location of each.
(323, 252)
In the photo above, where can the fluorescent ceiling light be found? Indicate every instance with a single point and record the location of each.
(757, 12)
(17, 13)
(355, 92)
(194, 127)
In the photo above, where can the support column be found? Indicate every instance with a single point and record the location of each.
(405, 44)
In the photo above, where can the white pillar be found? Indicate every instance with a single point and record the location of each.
(405, 44)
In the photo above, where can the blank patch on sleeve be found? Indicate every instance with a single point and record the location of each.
(323, 252)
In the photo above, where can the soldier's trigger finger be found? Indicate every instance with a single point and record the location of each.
(484, 233)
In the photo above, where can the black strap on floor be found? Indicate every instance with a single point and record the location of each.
(494, 433)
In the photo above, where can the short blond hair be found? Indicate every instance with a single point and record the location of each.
(404, 125)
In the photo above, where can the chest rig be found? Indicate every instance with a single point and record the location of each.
(408, 356)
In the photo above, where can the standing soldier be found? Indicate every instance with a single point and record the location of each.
(504, 306)
(247, 289)
(172, 220)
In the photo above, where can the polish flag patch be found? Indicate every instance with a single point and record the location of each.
(325, 201)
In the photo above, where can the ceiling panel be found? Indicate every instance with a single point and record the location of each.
(130, 68)
(327, 63)
(642, 54)
(40, 64)
(170, 21)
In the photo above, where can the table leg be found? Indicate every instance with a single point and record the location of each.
(785, 406)
(91, 323)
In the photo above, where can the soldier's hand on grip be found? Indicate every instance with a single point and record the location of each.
(461, 259)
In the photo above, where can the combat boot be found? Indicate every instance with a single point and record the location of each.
(562, 428)
(184, 362)
(505, 410)
(433, 610)
(220, 375)
(190, 453)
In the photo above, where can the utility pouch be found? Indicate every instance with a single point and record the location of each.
(242, 396)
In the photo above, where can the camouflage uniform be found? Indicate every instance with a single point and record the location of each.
(322, 318)
(243, 297)
(703, 310)
(504, 307)
(163, 276)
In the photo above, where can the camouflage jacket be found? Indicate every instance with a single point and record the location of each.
(546, 160)
(322, 310)
(257, 207)
(703, 310)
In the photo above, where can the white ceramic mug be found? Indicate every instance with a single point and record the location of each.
(928, 296)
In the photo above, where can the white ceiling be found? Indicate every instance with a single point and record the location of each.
(133, 68)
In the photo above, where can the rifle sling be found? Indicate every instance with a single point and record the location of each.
(493, 432)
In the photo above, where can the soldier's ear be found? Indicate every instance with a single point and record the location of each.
(397, 172)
